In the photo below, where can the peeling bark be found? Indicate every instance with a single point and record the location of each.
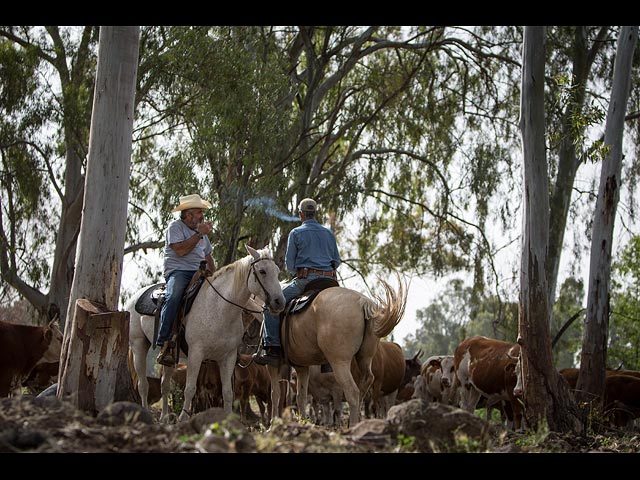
(591, 381)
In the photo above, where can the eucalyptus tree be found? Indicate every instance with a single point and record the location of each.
(44, 147)
(591, 381)
(546, 398)
(94, 369)
(349, 115)
(576, 48)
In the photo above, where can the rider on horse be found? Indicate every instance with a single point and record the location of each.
(312, 253)
(186, 245)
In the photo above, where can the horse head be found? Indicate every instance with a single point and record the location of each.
(263, 280)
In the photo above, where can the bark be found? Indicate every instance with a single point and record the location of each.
(543, 397)
(98, 265)
(93, 373)
(590, 386)
(568, 163)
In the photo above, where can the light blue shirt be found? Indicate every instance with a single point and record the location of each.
(178, 232)
(312, 245)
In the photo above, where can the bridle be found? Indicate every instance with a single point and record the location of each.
(252, 269)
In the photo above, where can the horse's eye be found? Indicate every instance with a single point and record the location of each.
(263, 272)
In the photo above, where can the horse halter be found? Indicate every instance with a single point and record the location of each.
(245, 309)
(267, 300)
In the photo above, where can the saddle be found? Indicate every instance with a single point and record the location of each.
(311, 290)
(150, 303)
(299, 304)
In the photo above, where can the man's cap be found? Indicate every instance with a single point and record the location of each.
(308, 205)
(191, 201)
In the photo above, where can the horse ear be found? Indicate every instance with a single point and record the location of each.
(253, 252)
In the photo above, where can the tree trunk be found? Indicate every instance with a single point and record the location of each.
(544, 399)
(97, 361)
(590, 386)
(568, 163)
(98, 266)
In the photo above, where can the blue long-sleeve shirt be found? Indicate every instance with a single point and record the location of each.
(312, 245)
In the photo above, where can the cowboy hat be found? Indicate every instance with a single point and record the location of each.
(191, 201)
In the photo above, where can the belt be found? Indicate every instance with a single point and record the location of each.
(303, 272)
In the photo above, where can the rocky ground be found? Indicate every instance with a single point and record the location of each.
(47, 425)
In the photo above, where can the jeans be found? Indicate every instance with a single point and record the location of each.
(177, 282)
(272, 322)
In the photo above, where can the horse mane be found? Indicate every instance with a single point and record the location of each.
(240, 269)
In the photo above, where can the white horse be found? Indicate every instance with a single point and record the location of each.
(213, 326)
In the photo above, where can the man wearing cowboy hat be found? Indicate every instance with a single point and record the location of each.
(186, 245)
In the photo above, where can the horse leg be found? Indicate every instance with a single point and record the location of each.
(165, 389)
(337, 407)
(274, 374)
(365, 381)
(227, 365)
(194, 361)
(139, 350)
(303, 386)
(342, 372)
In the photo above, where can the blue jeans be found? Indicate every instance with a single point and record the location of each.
(272, 322)
(177, 282)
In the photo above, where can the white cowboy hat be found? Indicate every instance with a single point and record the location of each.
(191, 201)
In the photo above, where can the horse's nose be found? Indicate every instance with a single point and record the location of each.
(278, 303)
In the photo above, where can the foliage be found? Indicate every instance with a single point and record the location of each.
(405, 135)
(624, 325)
(23, 164)
(459, 314)
(439, 325)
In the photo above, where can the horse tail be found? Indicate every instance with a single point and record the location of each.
(385, 312)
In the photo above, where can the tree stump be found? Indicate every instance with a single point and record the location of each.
(95, 368)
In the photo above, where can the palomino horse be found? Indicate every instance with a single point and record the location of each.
(213, 326)
(340, 325)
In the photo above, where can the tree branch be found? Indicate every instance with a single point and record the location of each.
(144, 246)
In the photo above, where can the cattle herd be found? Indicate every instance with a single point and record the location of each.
(482, 372)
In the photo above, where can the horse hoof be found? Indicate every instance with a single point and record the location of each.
(184, 416)
(168, 419)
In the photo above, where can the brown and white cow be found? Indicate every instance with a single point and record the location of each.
(436, 380)
(488, 367)
(22, 347)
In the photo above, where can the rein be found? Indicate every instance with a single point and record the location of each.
(245, 309)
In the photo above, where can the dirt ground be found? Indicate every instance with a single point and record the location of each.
(47, 425)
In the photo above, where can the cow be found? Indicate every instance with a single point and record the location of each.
(621, 393)
(622, 398)
(22, 347)
(252, 379)
(42, 376)
(489, 367)
(571, 374)
(411, 371)
(326, 396)
(388, 367)
(436, 380)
